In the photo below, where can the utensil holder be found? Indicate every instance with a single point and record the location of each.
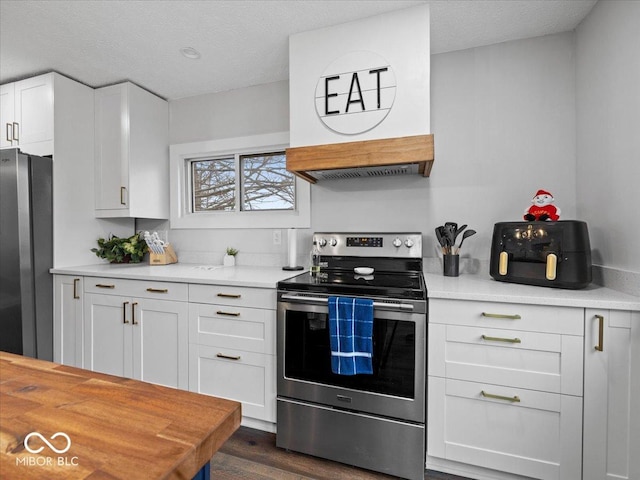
(167, 257)
(451, 265)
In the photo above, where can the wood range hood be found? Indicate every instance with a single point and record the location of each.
(367, 158)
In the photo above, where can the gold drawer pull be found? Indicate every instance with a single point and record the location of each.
(228, 357)
(158, 290)
(102, 285)
(229, 295)
(500, 315)
(600, 346)
(500, 339)
(230, 314)
(513, 399)
(75, 288)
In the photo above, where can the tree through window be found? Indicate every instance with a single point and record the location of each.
(260, 180)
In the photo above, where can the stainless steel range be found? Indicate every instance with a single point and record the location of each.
(374, 421)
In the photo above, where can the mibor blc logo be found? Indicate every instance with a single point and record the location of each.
(52, 447)
(33, 444)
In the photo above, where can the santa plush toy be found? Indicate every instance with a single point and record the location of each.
(542, 208)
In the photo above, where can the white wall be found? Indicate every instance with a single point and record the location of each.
(608, 131)
(503, 117)
(503, 124)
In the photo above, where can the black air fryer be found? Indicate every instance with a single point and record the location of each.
(549, 254)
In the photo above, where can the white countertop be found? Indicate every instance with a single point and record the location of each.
(481, 287)
(247, 276)
(478, 286)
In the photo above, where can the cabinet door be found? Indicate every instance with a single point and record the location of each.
(107, 345)
(7, 114)
(607, 394)
(524, 432)
(161, 342)
(238, 375)
(111, 148)
(67, 320)
(34, 114)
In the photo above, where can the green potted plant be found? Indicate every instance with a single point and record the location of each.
(229, 259)
(122, 250)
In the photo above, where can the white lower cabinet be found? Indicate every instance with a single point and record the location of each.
(67, 320)
(136, 337)
(505, 390)
(612, 385)
(238, 375)
(232, 348)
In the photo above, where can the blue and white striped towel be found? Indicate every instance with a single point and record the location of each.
(351, 330)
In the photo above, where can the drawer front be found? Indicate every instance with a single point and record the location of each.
(233, 296)
(510, 316)
(519, 431)
(137, 288)
(245, 377)
(247, 329)
(522, 359)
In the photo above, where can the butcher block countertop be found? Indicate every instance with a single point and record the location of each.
(101, 426)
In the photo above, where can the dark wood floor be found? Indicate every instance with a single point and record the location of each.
(252, 455)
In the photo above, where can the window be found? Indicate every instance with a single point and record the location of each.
(266, 183)
(240, 182)
(213, 185)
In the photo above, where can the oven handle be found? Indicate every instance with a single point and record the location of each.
(397, 306)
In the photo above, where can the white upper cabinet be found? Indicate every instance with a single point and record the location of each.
(131, 153)
(26, 115)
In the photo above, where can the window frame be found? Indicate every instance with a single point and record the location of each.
(181, 214)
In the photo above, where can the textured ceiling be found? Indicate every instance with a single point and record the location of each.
(242, 42)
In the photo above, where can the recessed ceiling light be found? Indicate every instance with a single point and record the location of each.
(189, 52)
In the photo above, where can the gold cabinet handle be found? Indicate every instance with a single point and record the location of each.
(122, 192)
(230, 314)
(513, 399)
(75, 288)
(600, 346)
(229, 295)
(103, 285)
(16, 131)
(9, 128)
(124, 312)
(500, 339)
(500, 315)
(133, 313)
(158, 290)
(228, 357)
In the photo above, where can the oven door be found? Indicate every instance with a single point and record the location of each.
(396, 388)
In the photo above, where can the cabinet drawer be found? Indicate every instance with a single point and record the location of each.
(234, 296)
(519, 431)
(245, 377)
(137, 288)
(537, 361)
(248, 329)
(532, 318)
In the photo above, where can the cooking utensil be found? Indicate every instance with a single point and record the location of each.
(466, 234)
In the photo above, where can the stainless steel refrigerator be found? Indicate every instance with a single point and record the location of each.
(26, 254)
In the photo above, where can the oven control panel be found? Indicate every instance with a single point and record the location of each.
(399, 245)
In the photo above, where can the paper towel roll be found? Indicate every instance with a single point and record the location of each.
(292, 237)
